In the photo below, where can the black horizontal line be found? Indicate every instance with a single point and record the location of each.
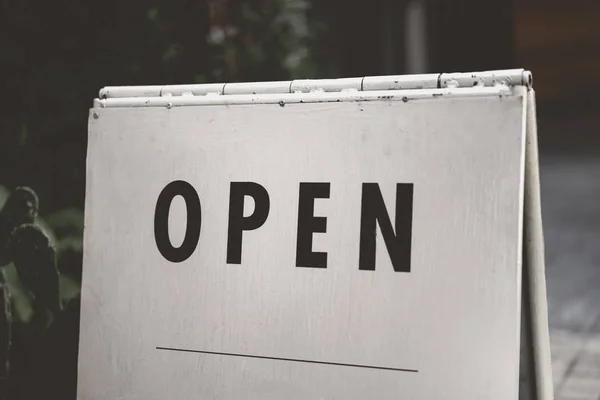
(287, 359)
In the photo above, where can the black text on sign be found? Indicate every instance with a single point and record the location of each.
(397, 236)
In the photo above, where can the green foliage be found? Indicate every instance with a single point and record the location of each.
(32, 290)
(267, 40)
(19, 208)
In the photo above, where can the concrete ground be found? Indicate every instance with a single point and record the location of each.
(570, 184)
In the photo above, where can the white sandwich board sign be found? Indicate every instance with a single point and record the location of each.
(363, 238)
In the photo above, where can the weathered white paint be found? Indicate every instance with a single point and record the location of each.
(301, 97)
(516, 77)
(254, 88)
(326, 85)
(401, 82)
(130, 91)
(454, 317)
(196, 90)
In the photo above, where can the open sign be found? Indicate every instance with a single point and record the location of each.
(340, 244)
(397, 237)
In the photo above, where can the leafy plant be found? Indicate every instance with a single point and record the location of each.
(32, 291)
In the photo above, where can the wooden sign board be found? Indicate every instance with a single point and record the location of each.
(335, 239)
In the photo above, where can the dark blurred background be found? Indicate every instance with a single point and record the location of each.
(56, 55)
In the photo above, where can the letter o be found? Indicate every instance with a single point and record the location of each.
(161, 221)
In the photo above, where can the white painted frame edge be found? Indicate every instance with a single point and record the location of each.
(304, 97)
(510, 77)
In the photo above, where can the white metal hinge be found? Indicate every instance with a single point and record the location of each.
(514, 77)
(392, 88)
